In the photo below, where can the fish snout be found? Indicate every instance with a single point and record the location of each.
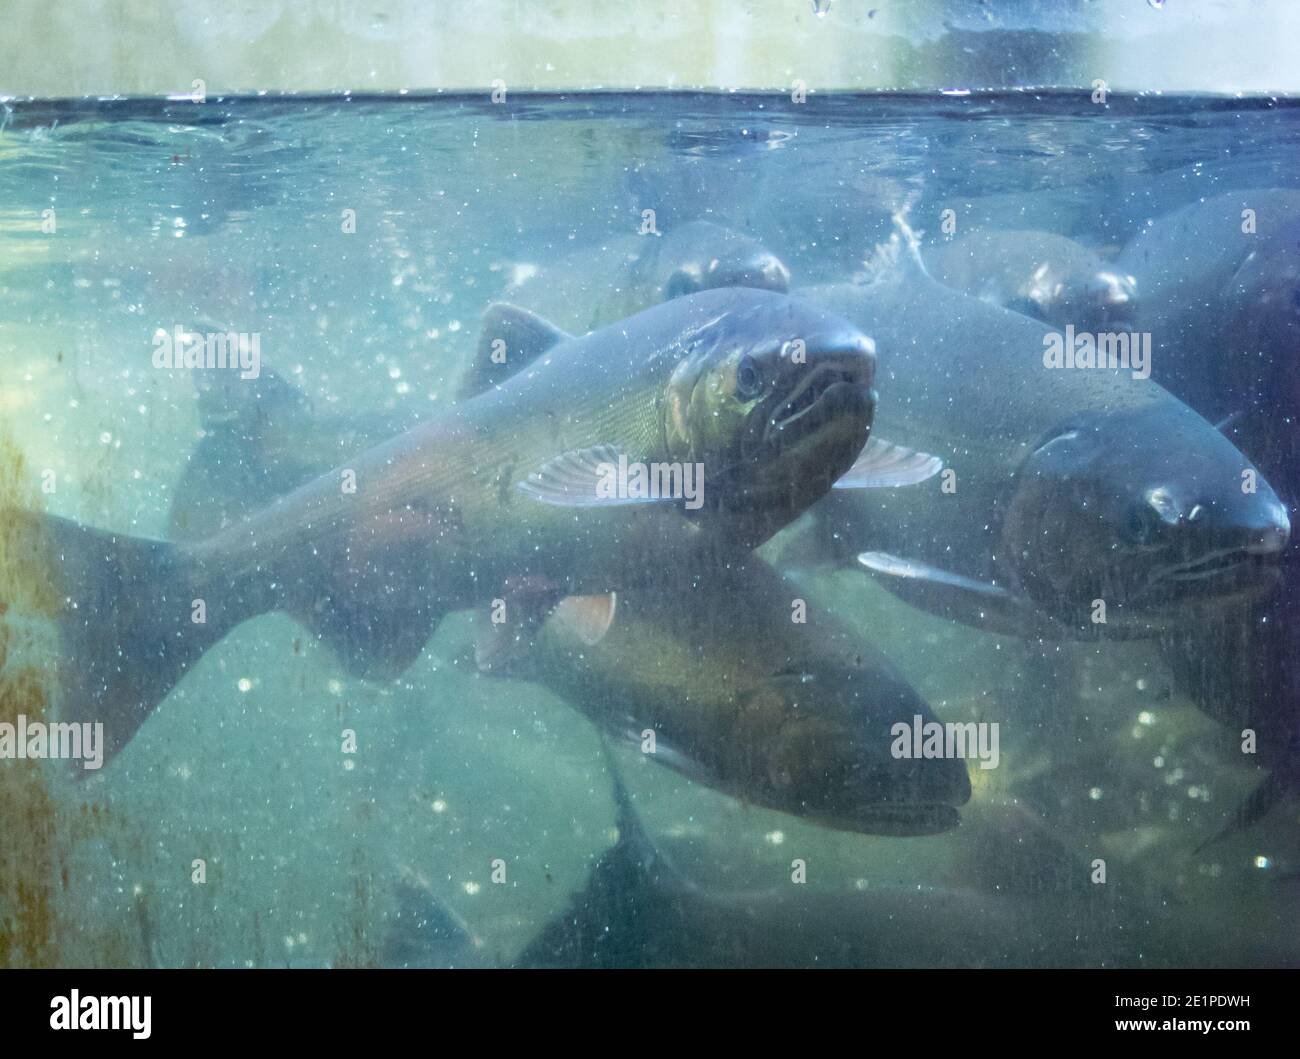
(1274, 533)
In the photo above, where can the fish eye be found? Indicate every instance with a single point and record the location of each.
(1141, 524)
(749, 379)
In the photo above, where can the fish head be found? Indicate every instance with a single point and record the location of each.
(773, 396)
(1148, 509)
(1086, 293)
(1108, 302)
(831, 756)
(700, 255)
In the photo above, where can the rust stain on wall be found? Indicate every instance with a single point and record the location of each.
(40, 826)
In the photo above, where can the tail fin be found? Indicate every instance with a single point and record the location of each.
(1280, 781)
(900, 256)
(129, 618)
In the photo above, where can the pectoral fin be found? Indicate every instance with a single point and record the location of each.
(980, 604)
(883, 464)
(588, 618)
(583, 478)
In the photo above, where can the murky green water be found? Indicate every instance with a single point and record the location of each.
(235, 212)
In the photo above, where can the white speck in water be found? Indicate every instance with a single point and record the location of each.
(245, 684)
(774, 838)
(472, 888)
(1146, 717)
(335, 687)
(1263, 863)
(105, 438)
(1095, 794)
(439, 806)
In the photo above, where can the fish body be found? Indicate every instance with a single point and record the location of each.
(1062, 486)
(795, 715)
(738, 681)
(372, 554)
(1220, 295)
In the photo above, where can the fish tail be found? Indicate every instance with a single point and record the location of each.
(132, 614)
(1260, 802)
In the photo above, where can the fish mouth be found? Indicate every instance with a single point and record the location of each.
(1229, 572)
(827, 392)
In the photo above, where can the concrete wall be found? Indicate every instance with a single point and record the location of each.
(157, 47)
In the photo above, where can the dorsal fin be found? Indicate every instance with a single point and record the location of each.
(511, 338)
(899, 257)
